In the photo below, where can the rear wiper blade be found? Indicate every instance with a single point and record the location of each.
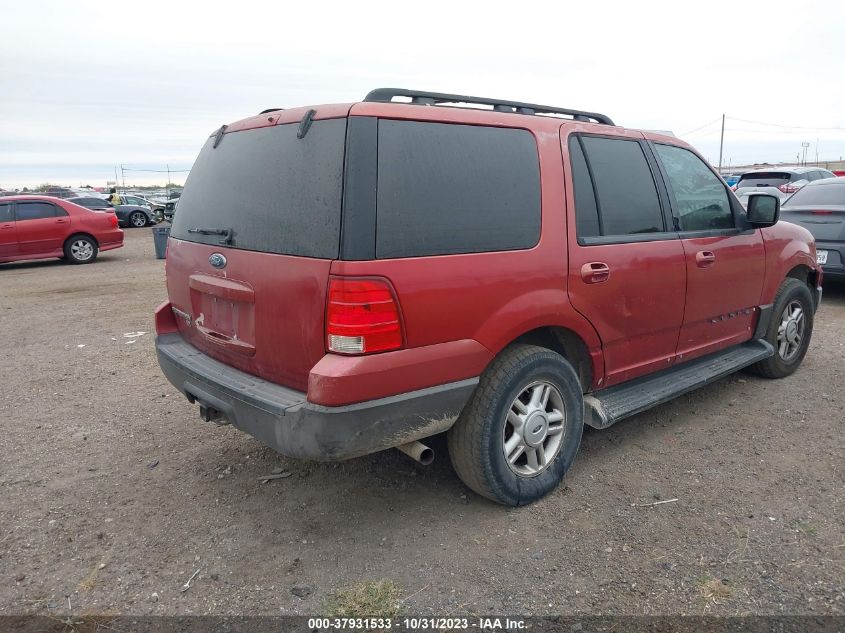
(226, 233)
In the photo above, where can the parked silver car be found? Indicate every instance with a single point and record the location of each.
(777, 182)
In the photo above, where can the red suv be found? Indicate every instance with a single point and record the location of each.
(41, 227)
(344, 279)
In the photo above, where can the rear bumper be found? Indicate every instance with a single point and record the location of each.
(284, 420)
(110, 240)
(835, 266)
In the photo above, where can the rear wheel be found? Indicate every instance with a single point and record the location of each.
(789, 331)
(518, 435)
(80, 249)
(137, 219)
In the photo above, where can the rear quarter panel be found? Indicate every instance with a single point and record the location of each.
(492, 297)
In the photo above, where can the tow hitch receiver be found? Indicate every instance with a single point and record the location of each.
(210, 414)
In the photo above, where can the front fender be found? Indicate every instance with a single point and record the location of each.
(787, 246)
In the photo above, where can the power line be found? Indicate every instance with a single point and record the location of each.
(159, 171)
(793, 127)
(716, 120)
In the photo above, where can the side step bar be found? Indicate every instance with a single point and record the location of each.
(608, 406)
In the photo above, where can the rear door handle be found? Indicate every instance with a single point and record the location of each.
(61, 221)
(703, 259)
(595, 272)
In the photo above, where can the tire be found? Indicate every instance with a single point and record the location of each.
(80, 249)
(137, 219)
(792, 295)
(485, 429)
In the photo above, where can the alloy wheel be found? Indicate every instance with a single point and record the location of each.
(534, 429)
(791, 330)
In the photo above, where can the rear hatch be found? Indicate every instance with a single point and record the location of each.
(251, 246)
(821, 210)
(773, 183)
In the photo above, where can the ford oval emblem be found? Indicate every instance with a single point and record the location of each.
(218, 260)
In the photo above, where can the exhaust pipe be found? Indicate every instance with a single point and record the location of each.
(418, 451)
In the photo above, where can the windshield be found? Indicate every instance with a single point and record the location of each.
(267, 190)
(819, 195)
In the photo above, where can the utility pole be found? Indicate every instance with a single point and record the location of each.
(167, 186)
(123, 177)
(804, 147)
(721, 144)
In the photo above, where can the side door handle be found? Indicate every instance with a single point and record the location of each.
(595, 272)
(704, 259)
(61, 221)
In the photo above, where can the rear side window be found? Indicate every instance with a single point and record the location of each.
(701, 200)
(446, 189)
(34, 211)
(764, 179)
(275, 192)
(586, 211)
(626, 195)
(6, 212)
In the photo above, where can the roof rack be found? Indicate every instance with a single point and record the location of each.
(419, 97)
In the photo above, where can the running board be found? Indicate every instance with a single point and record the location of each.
(608, 406)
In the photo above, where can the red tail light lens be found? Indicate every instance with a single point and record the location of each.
(112, 220)
(821, 212)
(788, 188)
(362, 316)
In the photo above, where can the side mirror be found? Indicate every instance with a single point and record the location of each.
(763, 210)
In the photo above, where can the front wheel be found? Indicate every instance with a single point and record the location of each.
(789, 331)
(137, 219)
(80, 249)
(520, 431)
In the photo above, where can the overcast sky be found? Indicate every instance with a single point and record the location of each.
(86, 86)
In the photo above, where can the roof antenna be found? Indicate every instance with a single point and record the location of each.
(305, 124)
(219, 136)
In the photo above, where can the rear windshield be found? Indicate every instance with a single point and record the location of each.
(275, 192)
(819, 194)
(766, 179)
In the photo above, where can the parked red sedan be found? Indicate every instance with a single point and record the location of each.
(40, 227)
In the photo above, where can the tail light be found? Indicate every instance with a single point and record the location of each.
(788, 188)
(820, 212)
(112, 220)
(733, 187)
(362, 316)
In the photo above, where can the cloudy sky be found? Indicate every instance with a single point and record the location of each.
(87, 86)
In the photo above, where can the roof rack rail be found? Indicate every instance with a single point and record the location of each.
(420, 97)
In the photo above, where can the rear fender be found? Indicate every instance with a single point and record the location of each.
(520, 315)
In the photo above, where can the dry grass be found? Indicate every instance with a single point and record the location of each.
(367, 599)
(716, 589)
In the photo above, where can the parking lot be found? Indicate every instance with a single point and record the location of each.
(114, 492)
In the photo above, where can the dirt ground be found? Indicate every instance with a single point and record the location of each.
(113, 492)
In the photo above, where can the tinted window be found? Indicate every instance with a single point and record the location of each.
(135, 201)
(764, 179)
(276, 192)
(701, 201)
(455, 189)
(819, 194)
(586, 212)
(5, 212)
(91, 203)
(627, 196)
(34, 210)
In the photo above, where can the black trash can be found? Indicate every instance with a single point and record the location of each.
(160, 235)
